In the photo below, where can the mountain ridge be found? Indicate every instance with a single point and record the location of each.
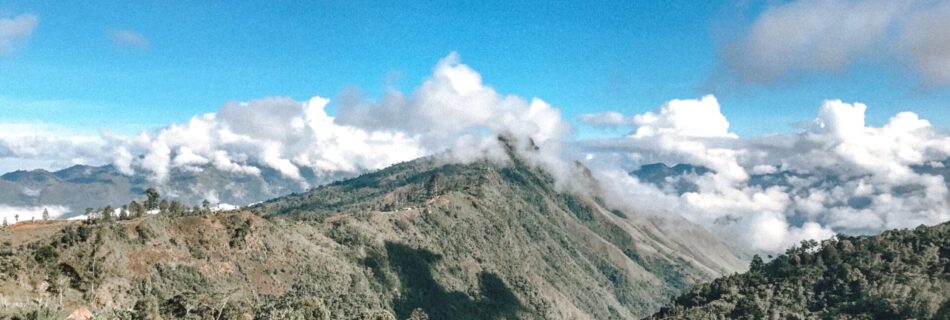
(482, 239)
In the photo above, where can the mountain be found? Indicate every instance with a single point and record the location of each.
(475, 241)
(680, 179)
(899, 274)
(670, 178)
(81, 187)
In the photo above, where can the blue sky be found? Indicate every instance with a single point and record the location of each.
(581, 57)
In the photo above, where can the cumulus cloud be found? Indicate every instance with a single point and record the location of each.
(129, 39)
(837, 175)
(452, 103)
(14, 30)
(830, 36)
(452, 109)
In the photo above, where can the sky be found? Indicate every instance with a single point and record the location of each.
(843, 104)
(143, 65)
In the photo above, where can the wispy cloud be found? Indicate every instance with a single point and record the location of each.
(825, 36)
(129, 39)
(14, 30)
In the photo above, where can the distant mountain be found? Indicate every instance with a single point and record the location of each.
(81, 187)
(679, 179)
(670, 178)
(453, 241)
(899, 274)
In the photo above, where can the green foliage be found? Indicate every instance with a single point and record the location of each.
(152, 199)
(899, 274)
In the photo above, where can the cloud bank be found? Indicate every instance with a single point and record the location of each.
(829, 36)
(451, 110)
(14, 30)
(837, 175)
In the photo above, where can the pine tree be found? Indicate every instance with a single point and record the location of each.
(45, 214)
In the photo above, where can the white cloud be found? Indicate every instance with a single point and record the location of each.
(684, 118)
(837, 175)
(36, 145)
(452, 108)
(129, 39)
(840, 175)
(454, 102)
(14, 30)
(830, 36)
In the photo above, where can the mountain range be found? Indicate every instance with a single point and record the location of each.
(82, 186)
(421, 239)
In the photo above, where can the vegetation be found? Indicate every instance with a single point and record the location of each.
(413, 241)
(899, 274)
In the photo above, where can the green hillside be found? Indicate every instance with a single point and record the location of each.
(899, 274)
(473, 241)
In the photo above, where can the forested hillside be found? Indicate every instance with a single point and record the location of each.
(899, 274)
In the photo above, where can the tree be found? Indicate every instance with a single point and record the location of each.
(45, 214)
(136, 209)
(16, 218)
(163, 206)
(757, 264)
(5, 222)
(124, 212)
(107, 213)
(206, 205)
(175, 208)
(152, 199)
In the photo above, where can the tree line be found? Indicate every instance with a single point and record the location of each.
(153, 203)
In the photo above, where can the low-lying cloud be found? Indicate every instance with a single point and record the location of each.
(14, 214)
(836, 175)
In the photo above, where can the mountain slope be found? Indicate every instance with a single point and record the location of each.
(899, 274)
(479, 241)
